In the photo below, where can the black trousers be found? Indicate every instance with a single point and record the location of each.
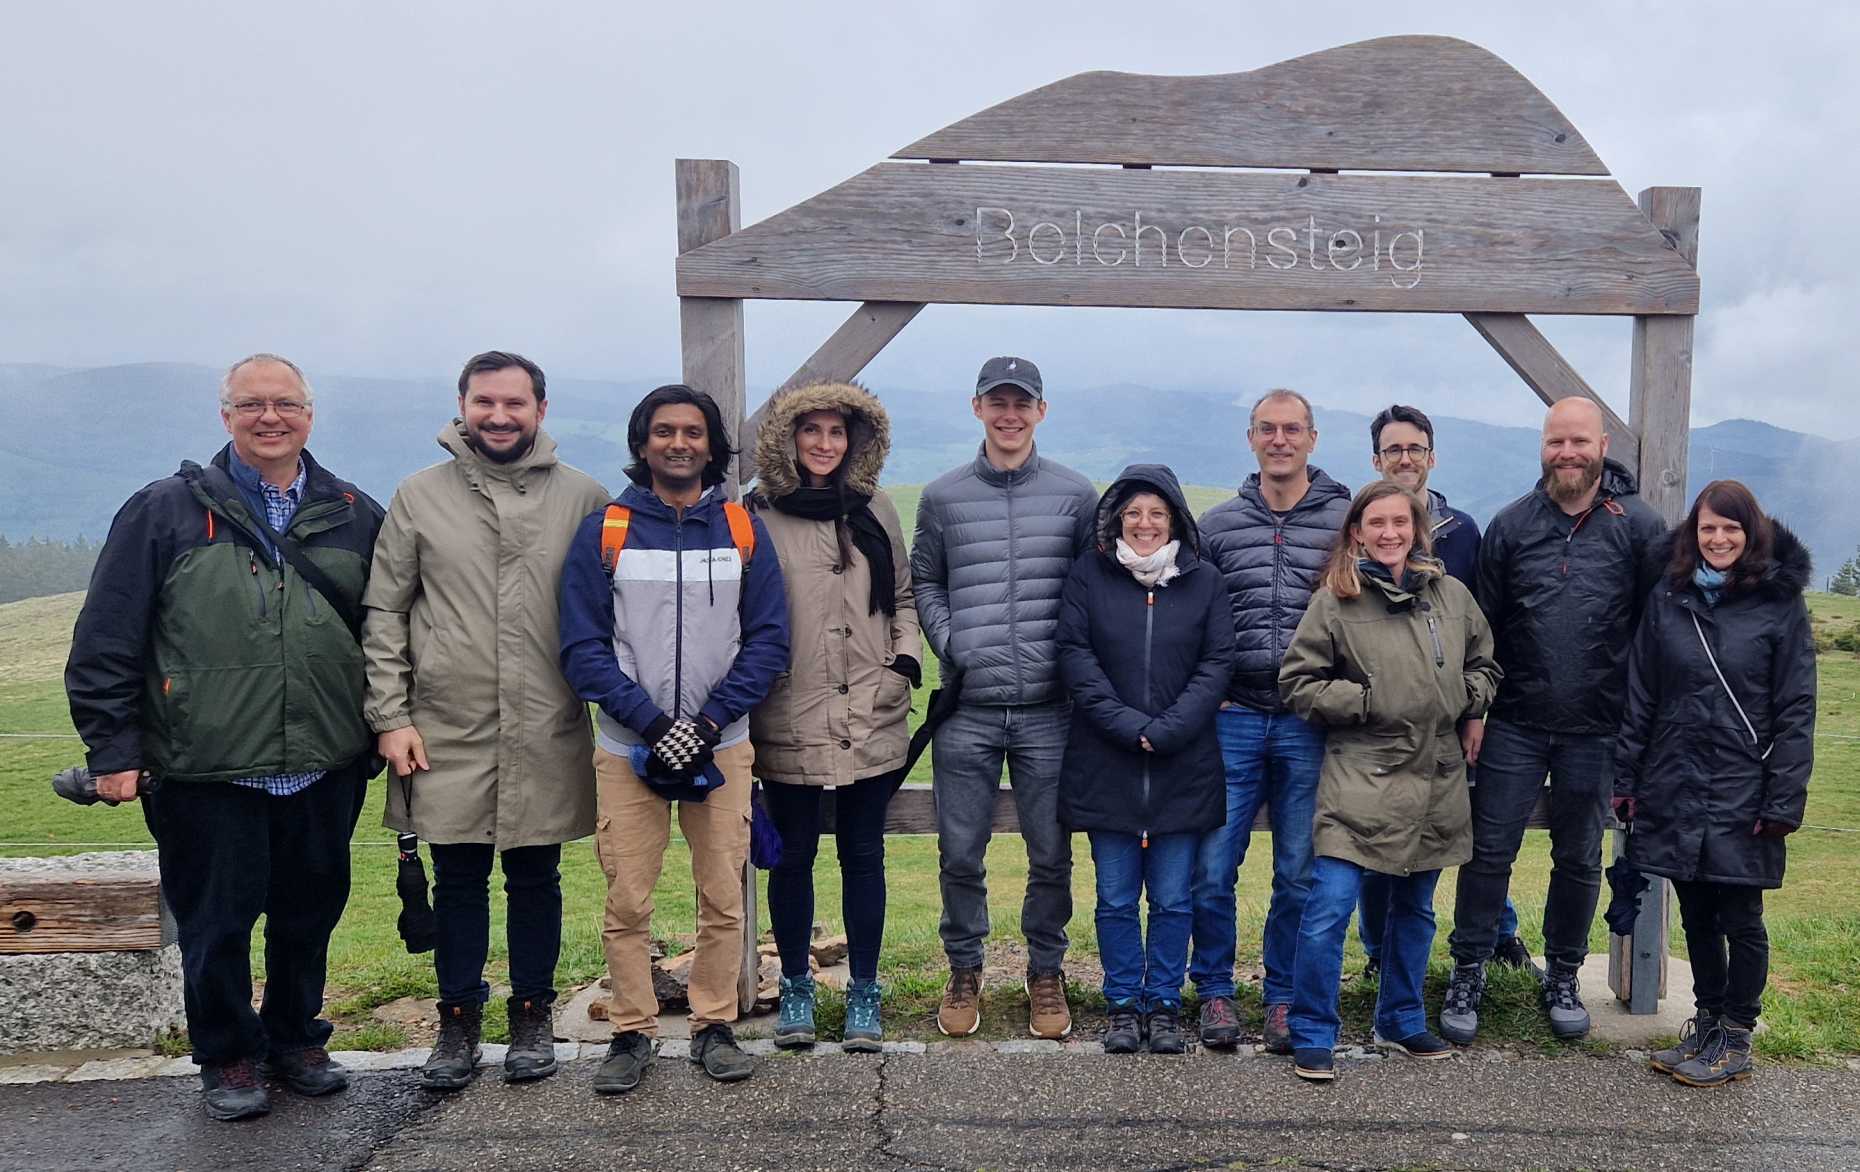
(462, 914)
(228, 854)
(859, 820)
(1730, 948)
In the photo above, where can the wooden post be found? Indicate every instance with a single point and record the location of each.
(711, 328)
(1660, 413)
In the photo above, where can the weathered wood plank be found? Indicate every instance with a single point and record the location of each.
(711, 330)
(87, 912)
(1205, 240)
(840, 358)
(1415, 103)
(1546, 372)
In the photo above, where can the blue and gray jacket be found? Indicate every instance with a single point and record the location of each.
(680, 629)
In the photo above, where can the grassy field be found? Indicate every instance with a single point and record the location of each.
(1812, 1007)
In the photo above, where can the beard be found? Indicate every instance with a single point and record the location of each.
(1564, 492)
(506, 456)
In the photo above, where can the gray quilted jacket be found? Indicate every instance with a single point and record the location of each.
(992, 553)
(1272, 564)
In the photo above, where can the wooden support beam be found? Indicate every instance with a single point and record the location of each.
(87, 912)
(711, 328)
(1544, 370)
(840, 358)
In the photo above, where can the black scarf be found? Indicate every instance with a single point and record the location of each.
(868, 536)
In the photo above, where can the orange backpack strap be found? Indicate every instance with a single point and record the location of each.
(613, 536)
(742, 532)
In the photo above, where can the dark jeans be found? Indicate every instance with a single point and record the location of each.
(1140, 974)
(229, 854)
(1510, 775)
(462, 914)
(1729, 946)
(859, 827)
(1373, 912)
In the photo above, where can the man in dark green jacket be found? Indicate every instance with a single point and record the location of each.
(216, 669)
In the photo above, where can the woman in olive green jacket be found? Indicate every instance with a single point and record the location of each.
(1394, 659)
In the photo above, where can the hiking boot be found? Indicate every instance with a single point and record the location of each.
(795, 1025)
(232, 1091)
(532, 1041)
(1691, 1041)
(961, 1012)
(1314, 1065)
(1125, 1034)
(628, 1056)
(1723, 1057)
(1515, 954)
(1048, 1015)
(864, 1033)
(454, 1060)
(1278, 1035)
(1562, 995)
(1372, 970)
(715, 1049)
(308, 1072)
(1425, 1045)
(1459, 1011)
(1220, 1023)
(1165, 1030)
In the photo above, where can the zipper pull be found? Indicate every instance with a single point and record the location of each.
(1145, 844)
(1150, 599)
(253, 558)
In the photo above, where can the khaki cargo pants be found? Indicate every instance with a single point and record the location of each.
(632, 827)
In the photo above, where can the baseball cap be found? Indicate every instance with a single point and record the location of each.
(1009, 371)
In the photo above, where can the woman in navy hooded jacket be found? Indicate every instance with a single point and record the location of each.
(1146, 641)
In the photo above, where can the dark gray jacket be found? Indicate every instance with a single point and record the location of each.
(989, 561)
(1272, 564)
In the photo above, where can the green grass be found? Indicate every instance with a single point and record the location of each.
(1812, 1006)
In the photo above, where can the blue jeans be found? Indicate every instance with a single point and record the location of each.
(1144, 976)
(1373, 910)
(1275, 758)
(1407, 941)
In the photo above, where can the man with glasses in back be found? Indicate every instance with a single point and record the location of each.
(218, 655)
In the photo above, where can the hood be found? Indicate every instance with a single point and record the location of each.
(1159, 479)
(453, 439)
(868, 438)
(1791, 570)
(1323, 490)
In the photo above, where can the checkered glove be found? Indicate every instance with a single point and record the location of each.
(680, 748)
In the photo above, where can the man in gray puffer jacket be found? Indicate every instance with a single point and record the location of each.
(995, 543)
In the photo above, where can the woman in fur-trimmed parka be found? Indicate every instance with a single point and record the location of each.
(838, 717)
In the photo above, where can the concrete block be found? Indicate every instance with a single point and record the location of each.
(31, 1073)
(1609, 1019)
(116, 1068)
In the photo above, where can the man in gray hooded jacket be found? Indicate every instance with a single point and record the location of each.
(995, 542)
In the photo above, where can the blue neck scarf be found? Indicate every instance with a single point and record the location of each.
(1710, 583)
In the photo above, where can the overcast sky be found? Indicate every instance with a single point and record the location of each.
(385, 188)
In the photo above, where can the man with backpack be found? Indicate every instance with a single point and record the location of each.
(675, 623)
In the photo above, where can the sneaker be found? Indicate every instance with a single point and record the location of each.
(1372, 970)
(1562, 997)
(1165, 1029)
(1723, 1057)
(454, 1060)
(1278, 1037)
(1220, 1023)
(1691, 1040)
(1314, 1065)
(961, 1012)
(1048, 1015)
(1425, 1045)
(864, 1033)
(308, 1072)
(1459, 1012)
(1125, 1034)
(628, 1056)
(794, 1027)
(1515, 954)
(232, 1091)
(715, 1049)
(532, 1041)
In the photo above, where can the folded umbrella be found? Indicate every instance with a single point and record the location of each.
(416, 925)
(1625, 883)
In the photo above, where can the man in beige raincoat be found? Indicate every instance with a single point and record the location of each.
(487, 747)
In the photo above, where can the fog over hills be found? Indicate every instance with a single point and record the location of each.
(84, 439)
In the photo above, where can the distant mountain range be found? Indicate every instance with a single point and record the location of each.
(81, 440)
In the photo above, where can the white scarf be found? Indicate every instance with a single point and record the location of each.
(1154, 570)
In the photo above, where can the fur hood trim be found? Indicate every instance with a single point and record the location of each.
(1791, 570)
(868, 437)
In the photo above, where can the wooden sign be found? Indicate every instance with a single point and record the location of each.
(1205, 240)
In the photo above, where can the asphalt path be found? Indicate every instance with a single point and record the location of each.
(967, 1111)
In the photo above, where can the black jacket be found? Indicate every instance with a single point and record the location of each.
(1144, 663)
(1699, 781)
(1562, 595)
(1272, 564)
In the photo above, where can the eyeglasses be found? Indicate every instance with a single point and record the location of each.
(1412, 451)
(286, 408)
(1290, 431)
